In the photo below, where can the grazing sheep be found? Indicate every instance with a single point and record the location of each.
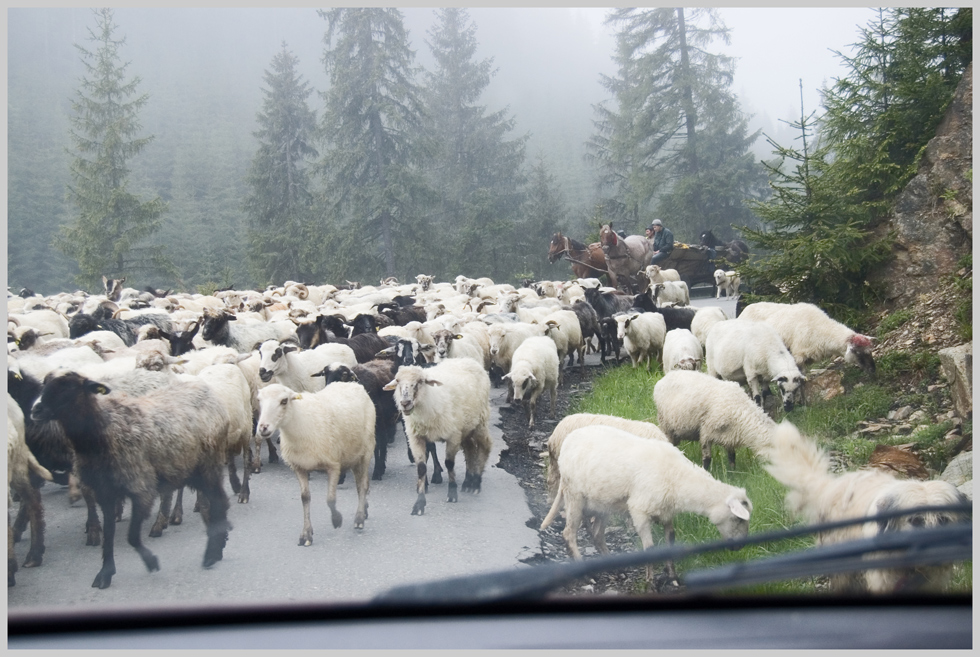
(810, 335)
(449, 402)
(682, 351)
(819, 496)
(675, 292)
(704, 319)
(139, 448)
(21, 463)
(331, 430)
(578, 420)
(642, 335)
(605, 470)
(695, 406)
(373, 375)
(753, 353)
(535, 367)
(727, 281)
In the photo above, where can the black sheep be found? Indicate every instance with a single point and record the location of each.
(140, 448)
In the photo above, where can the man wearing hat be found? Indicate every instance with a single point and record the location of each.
(663, 241)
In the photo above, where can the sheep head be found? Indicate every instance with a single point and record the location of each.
(274, 403)
(859, 352)
(408, 384)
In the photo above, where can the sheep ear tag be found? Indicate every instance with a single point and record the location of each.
(98, 388)
(737, 509)
(298, 397)
(391, 385)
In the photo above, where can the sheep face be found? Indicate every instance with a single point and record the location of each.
(443, 340)
(788, 385)
(622, 324)
(859, 353)
(408, 384)
(212, 323)
(271, 358)
(337, 372)
(523, 380)
(732, 517)
(274, 402)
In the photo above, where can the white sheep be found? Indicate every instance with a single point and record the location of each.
(295, 369)
(682, 351)
(20, 463)
(658, 275)
(457, 345)
(673, 292)
(727, 281)
(818, 496)
(504, 339)
(642, 335)
(449, 402)
(330, 430)
(704, 319)
(606, 470)
(695, 406)
(578, 420)
(810, 335)
(752, 353)
(534, 368)
(567, 334)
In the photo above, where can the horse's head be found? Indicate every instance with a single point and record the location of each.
(607, 236)
(708, 239)
(557, 248)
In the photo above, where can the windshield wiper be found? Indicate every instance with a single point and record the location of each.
(923, 546)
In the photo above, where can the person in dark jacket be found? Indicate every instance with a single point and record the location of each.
(663, 241)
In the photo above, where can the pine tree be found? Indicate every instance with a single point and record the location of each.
(545, 212)
(107, 236)
(282, 231)
(475, 169)
(676, 137)
(817, 246)
(899, 82)
(372, 126)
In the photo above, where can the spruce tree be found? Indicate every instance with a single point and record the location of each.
(282, 232)
(107, 236)
(371, 127)
(475, 169)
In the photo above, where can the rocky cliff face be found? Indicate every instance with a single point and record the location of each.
(933, 216)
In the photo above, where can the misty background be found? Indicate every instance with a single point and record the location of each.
(203, 71)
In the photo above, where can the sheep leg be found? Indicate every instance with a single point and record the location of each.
(107, 503)
(273, 456)
(243, 494)
(361, 478)
(11, 557)
(177, 516)
(93, 528)
(257, 457)
(380, 452)
(20, 522)
(451, 469)
(430, 448)
(141, 510)
(529, 407)
(75, 490)
(214, 512)
(166, 499)
(573, 518)
(597, 528)
(236, 484)
(553, 393)
(418, 448)
(31, 498)
(669, 535)
(332, 479)
(706, 456)
(476, 448)
(731, 457)
(641, 522)
(306, 538)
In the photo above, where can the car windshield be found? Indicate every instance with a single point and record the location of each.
(394, 306)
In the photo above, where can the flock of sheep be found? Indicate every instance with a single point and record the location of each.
(135, 394)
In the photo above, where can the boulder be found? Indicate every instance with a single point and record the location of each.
(957, 364)
(959, 470)
(822, 385)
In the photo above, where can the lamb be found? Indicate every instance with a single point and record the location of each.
(675, 292)
(330, 430)
(217, 328)
(606, 470)
(727, 281)
(704, 319)
(572, 422)
(139, 448)
(534, 367)
(20, 464)
(449, 402)
(682, 351)
(695, 406)
(608, 342)
(643, 335)
(373, 375)
(819, 496)
(752, 352)
(810, 335)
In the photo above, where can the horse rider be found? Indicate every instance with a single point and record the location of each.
(663, 241)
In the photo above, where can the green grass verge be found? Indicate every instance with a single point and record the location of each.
(628, 393)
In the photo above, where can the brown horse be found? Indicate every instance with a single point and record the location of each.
(587, 261)
(624, 258)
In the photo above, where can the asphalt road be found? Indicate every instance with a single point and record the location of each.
(262, 561)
